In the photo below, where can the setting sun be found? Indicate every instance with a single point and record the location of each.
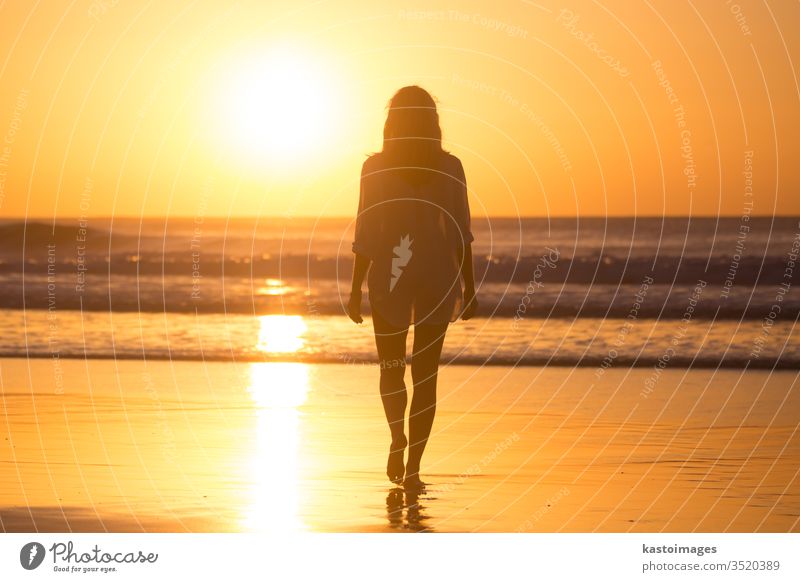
(276, 105)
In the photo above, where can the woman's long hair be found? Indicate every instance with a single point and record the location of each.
(412, 138)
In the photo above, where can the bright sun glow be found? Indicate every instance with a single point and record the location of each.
(277, 106)
(281, 334)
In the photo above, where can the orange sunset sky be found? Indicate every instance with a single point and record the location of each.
(268, 108)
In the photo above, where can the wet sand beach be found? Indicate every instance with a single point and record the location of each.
(129, 446)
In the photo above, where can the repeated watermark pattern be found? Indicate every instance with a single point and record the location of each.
(740, 18)
(569, 21)
(675, 341)
(627, 326)
(9, 137)
(99, 8)
(82, 235)
(546, 507)
(781, 292)
(679, 113)
(475, 18)
(480, 466)
(536, 282)
(527, 110)
(590, 39)
(744, 226)
(196, 239)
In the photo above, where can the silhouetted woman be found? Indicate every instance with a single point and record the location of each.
(413, 235)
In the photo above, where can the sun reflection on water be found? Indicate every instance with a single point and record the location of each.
(281, 334)
(277, 390)
(274, 287)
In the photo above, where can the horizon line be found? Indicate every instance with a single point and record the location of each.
(345, 217)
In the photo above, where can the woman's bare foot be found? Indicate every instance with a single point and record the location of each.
(412, 482)
(395, 467)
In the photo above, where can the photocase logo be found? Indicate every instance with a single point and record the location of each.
(31, 555)
(402, 254)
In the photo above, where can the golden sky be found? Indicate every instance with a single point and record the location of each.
(113, 107)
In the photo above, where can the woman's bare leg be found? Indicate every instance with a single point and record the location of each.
(391, 344)
(428, 341)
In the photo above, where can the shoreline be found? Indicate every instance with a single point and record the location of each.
(594, 362)
(301, 308)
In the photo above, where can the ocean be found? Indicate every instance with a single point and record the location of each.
(599, 292)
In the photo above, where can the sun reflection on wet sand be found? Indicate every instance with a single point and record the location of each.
(277, 390)
(290, 446)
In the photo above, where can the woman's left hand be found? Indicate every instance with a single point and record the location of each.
(354, 307)
(471, 303)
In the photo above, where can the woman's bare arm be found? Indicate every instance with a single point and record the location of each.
(360, 266)
(467, 274)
